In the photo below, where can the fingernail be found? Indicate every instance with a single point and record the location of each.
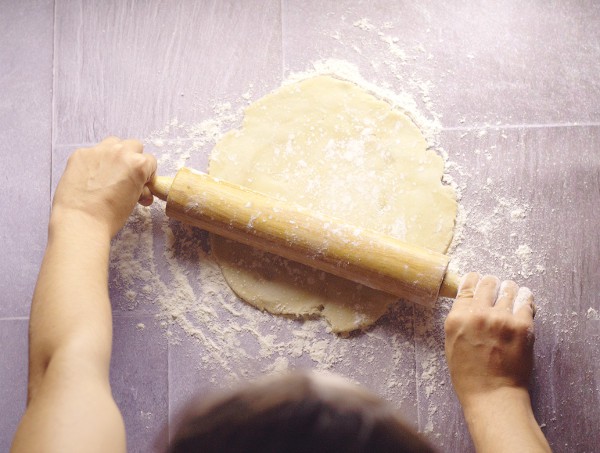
(463, 280)
(497, 286)
(503, 291)
(524, 296)
(486, 279)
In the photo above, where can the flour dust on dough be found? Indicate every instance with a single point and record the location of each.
(330, 146)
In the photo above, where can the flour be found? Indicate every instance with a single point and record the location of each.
(592, 314)
(429, 125)
(364, 24)
(166, 268)
(525, 255)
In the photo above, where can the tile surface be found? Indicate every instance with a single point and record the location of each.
(481, 62)
(514, 86)
(13, 377)
(129, 68)
(538, 187)
(25, 135)
(139, 380)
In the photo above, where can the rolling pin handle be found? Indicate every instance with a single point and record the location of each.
(160, 186)
(449, 286)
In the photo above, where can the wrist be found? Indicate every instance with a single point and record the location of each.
(502, 398)
(502, 420)
(76, 225)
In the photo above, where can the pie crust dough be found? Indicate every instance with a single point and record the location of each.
(332, 147)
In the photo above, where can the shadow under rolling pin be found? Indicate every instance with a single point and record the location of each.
(320, 241)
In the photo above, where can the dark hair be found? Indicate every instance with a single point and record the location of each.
(294, 414)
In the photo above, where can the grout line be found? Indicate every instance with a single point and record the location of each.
(16, 318)
(166, 141)
(414, 326)
(472, 128)
(519, 126)
(169, 427)
(282, 41)
(130, 314)
(52, 105)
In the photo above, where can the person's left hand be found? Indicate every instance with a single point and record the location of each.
(104, 182)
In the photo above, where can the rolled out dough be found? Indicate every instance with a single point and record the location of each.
(333, 147)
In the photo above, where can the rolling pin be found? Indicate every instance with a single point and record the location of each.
(362, 255)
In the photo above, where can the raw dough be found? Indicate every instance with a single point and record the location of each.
(331, 146)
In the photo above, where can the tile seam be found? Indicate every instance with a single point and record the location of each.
(519, 126)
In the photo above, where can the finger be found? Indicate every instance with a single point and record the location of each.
(133, 145)
(506, 295)
(486, 291)
(142, 168)
(524, 306)
(466, 289)
(146, 197)
(150, 167)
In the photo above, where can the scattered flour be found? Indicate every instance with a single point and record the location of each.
(592, 314)
(364, 24)
(161, 263)
(525, 255)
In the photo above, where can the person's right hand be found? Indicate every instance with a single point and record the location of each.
(489, 348)
(104, 182)
(489, 336)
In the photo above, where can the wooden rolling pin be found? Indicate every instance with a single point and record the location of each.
(361, 255)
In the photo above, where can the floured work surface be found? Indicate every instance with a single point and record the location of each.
(332, 147)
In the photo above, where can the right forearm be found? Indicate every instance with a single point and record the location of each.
(70, 309)
(503, 421)
(70, 405)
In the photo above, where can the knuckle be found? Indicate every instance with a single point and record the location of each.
(76, 155)
(132, 145)
(478, 319)
(137, 166)
(452, 322)
(79, 151)
(523, 325)
(72, 157)
(501, 328)
(498, 317)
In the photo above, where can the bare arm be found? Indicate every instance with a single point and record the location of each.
(70, 405)
(489, 348)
